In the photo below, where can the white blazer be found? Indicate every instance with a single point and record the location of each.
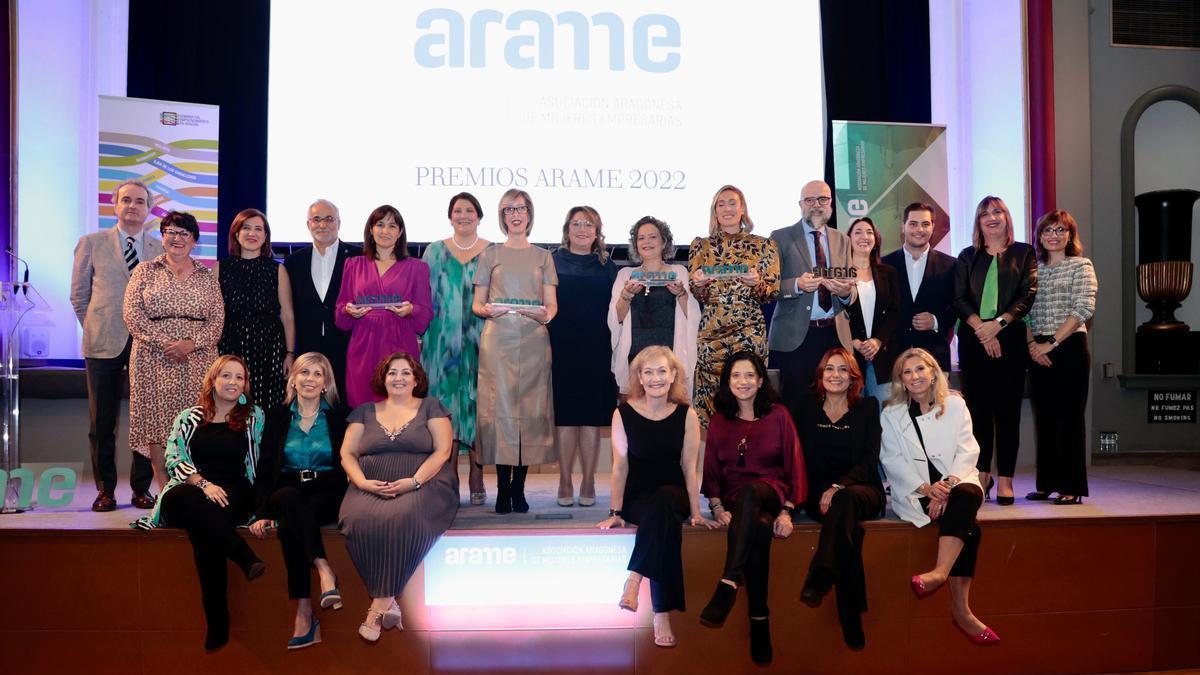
(949, 441)
(686, 328)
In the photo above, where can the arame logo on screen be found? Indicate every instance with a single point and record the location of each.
(450, 39)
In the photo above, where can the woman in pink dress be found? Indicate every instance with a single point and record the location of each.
(384, 302)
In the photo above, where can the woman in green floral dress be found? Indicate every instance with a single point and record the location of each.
(450, 347)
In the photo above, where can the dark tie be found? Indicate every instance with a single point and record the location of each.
(823, 298)
(131, 259)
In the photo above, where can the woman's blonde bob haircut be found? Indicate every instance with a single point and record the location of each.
(941, 386)
(678, 393)
(310, 360)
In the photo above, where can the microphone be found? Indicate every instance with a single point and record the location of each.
(25, 286)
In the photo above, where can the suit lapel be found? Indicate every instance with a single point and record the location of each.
(339, 266)
(801, 245)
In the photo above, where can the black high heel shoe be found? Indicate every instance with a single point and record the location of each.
(987, 489)
(1003, 501)
(1068, 501)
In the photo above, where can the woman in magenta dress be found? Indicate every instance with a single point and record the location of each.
(384, 302)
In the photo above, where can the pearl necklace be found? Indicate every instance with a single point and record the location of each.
(468, 247)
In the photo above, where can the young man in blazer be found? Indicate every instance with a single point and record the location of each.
(316, 276)
(802, 328)
(103, 263)
(926, 280)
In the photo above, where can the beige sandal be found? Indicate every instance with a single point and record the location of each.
(629, 599)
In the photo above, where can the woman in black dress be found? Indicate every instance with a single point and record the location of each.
(839, 432)
(872, 318)
(259, 323)
(211, 456)
(585, 392)
(301, 483)
(656, 443)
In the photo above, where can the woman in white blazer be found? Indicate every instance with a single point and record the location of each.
(660, 312)
(929, 453)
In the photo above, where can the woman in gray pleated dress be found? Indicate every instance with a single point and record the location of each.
(403, 491)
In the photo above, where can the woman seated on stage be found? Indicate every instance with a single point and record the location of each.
(929, 452)
(403, 490)
(753, 478)
(210, 457)
(839, 435)
(301, 484)
(656, 444)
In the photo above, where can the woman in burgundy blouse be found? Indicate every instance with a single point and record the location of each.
(754, 478)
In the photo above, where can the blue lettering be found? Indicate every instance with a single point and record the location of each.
(642, 43)
(423, 49)
(479, 24)
(616, 38)
(544, 41)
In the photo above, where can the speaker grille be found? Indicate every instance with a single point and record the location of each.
(1170, 24)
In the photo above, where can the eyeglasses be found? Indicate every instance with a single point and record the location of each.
(317, 220)
(1057, 229)
(815, 201)
(509, 210)
(582, 223)
(182, 234)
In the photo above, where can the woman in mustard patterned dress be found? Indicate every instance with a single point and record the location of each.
(450, 347)
(731, 318)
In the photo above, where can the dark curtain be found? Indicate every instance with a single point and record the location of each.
(211, 52)
(876, 64)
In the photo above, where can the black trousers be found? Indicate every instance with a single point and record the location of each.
(105, 378)
(993, 389)
(754, 508)
(837, 561)
(211, 529)
(798, 368)
(657, 545)
(301, 509)
(958, 521)
(1060, 395)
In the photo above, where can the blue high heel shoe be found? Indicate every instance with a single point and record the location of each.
(312, 637)
(332, 597)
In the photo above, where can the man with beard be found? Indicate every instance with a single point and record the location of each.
(926, 282)
(802, 328)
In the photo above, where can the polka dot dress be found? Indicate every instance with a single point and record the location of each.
(253, 330)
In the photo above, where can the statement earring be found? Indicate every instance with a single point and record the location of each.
(241, 399)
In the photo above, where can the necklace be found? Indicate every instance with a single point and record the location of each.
(393, 434)
(741, 447)
(310, 416)
(468, 247)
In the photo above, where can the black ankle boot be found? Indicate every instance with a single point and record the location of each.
(517, 489)
(760, 641)
(714, 613)
(816, 586)
(218, 632)
(852, 631)
(503, 493)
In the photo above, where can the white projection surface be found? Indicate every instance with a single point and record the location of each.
(634, 108)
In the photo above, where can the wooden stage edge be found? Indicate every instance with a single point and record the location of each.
(1067, 595)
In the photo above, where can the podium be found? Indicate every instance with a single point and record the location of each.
(17, 298)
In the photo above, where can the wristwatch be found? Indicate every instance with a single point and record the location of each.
(203, 484)
(1052, 340)
(615, 512)
(1002, 321)
(416, 483)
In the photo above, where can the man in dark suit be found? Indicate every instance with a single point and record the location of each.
(926, 279)
(103, 262)
(316, 276)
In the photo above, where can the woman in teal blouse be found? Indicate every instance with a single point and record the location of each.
(301, 484)
(211, 455)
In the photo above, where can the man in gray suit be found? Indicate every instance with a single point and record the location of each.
(103, 263)
(802, 328)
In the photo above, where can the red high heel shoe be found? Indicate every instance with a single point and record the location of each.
(987, 638)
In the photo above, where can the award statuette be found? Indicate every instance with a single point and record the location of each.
(649, 279)
(725, 271)
(835, 272)
(513, 304)
(379, 300)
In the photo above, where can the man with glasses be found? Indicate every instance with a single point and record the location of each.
(926, 286)
(103, 263)
(802, 328)
(316, 276)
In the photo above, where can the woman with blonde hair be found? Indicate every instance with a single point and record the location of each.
(929, 453)
(655, 485)
(731, 318)
(301, 484)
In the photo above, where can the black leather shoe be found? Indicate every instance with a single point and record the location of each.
(1068, 501)
(852, 632)
(104, 502)
(142, 500)
(715, 612)
(1005, 501)
(760, 641)
(811, 596)
(1038, 496)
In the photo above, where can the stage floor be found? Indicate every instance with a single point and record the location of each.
(1117, 492)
